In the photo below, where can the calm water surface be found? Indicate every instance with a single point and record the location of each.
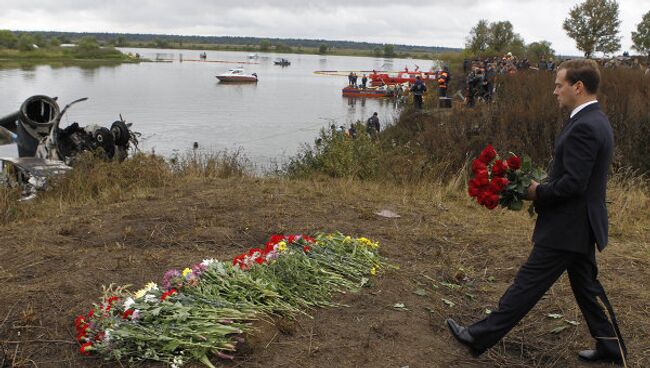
(175, 104)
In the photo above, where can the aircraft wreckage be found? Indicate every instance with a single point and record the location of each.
(46, 150)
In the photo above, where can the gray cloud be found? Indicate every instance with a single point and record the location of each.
(430, 23)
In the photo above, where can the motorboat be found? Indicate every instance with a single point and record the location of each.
(253, 56)
(282, 61)
(237, 75)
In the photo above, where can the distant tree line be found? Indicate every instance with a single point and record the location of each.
(264, 44)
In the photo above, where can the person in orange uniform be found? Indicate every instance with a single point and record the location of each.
(443, 82)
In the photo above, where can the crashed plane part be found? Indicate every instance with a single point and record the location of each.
(46, 150)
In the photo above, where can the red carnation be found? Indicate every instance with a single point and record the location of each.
(514, 163)
(308, 239)
(276, 238)
(127, 314)
(306, 249)
(167, 294)
(253, 251)
(259, 260)
(488, 154)
(86, 348)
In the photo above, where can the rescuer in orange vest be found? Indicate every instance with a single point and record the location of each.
(443, 82)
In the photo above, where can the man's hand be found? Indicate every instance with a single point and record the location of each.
(532, 190)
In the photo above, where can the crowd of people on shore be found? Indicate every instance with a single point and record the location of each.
(481, 74)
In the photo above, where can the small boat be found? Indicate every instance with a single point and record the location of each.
(282, 61)
(253, 56)
(372, 92)
(237, 75)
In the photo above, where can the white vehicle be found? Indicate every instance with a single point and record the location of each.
(237, 75)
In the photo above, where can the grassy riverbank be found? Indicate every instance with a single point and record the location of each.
(60, 54)
(129, 223)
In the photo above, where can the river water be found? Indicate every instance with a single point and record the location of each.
(174, 104)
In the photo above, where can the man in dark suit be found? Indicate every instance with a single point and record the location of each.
(571, 223)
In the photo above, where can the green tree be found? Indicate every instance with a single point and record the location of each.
(55, 42)
(477, 42)
(389, 51)
(539, 50)
(7, 39)
(500, 36)
(376, 52)
(594, 26)
(161, 44)
(88, 43)
(25, 42)
(121, 41)
(322, 49)
(641, 37)
(265, 45)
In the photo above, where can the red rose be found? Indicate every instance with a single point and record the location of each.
(276, 238)
(306, 249)
(514, 163)
(499, 168)
(488, 154)
(497, 185)
(473, 191)
(259, 260)
(478, 165)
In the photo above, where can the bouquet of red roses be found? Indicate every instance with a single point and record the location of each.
(497, 181)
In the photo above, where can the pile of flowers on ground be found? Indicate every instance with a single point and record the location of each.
(206, 309)
(497, 181)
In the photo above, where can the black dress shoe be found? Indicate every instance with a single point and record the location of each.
(462, 335)
(598, 356)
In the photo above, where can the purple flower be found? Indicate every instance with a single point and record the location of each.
(168, 278)
(198, 269)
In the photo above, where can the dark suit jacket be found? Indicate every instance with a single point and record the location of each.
(571, 204)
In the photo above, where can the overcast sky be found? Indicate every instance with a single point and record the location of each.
(431, 23)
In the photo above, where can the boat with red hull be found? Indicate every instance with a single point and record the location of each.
(371, 92)
(386, 78)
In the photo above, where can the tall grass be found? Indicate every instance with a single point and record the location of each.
(96, 181)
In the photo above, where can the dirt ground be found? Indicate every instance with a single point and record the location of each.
(455, 260)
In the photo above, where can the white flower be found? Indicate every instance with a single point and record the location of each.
(207, 262)
(128, 303)
(107, 335)
(177, 362)
(150, 298)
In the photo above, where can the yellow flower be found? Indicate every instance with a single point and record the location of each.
(373, 271)
(186, 272)
(150, 286)
(368, 243)
(282, 246)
